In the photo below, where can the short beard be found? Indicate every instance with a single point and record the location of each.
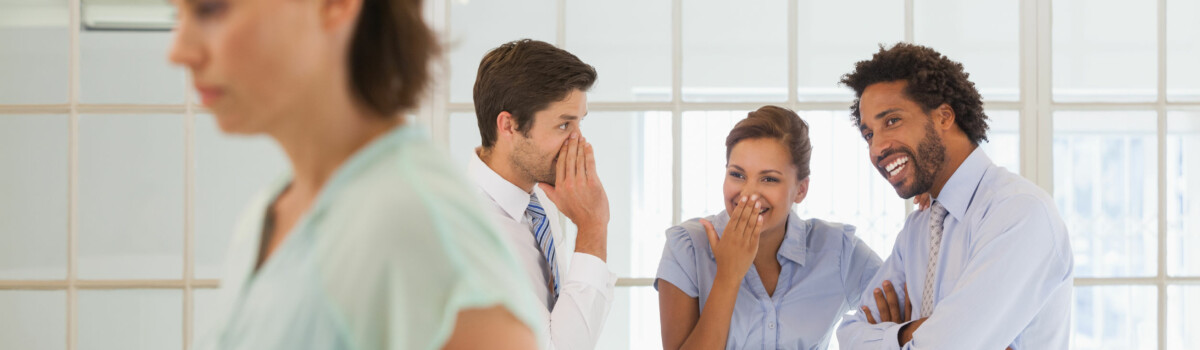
(525, 158)
(926, 164)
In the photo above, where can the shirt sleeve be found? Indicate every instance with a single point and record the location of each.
(859, 265)
(1016, 268)
(678, 262)
(584, 301)
(855, 332)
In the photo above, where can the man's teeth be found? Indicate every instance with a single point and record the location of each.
(894, 167)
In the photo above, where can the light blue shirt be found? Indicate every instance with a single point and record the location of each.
(823, 269)
(387, 255)
(1003, 275)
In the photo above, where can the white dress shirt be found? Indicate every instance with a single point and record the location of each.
(575, 319)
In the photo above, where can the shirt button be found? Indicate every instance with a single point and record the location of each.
(771, 325)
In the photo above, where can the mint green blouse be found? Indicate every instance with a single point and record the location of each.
(389, 253)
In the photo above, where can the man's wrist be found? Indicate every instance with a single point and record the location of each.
(593, 240)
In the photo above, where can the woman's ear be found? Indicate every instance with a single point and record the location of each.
(801, 191)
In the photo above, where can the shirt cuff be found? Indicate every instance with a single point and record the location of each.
(591, 271)
(891, 336)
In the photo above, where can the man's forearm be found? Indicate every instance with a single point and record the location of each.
(593, 241)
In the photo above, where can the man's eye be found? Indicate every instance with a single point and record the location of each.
(893, 121)
(770, 179)
(868, 136)
(563, 126)
(208, 9)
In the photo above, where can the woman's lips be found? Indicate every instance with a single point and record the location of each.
(208, 95)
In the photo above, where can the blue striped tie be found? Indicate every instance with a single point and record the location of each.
(541, 233)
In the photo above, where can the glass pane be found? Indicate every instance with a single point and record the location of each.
(828, 47)
(33, 207)
(34, 56)
(128, 67)
(464, 137)
(990, 53)
(1106, 185)
(735, 51)
(633, 59)
(476, 27)
(1114, 317)
(1183, 47)
(130, 319)
(1004, 135)
(1089, 44)
(1183, 317)
(703, 161)
(633, 154)
(1183, 194)
(230, 170)
(203, 303)
(33, 320)
(844, 186)
(633, 322)
(131, 188)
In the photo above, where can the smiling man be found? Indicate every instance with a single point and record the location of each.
(530, 98)
(989, 265)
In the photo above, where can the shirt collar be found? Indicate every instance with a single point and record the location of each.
(794, 246)
(512, 199)
(958, 192)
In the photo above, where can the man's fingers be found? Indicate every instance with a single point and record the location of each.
(581, 160)
(867, 312)
(572, 151)
(711, 232)
(560, 166)
(889, 293)
(907, 304)
(885, 315)
(590, 158)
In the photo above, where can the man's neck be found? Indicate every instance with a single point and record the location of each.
(503, 166)
(955, 156)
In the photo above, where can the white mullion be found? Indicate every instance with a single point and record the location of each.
(1044, 142)
(793, 67)
(189, 217)
(73, 27)
(1027, 125)
(908, 21)
(676, 110)
(560, 30)
(1162, 173)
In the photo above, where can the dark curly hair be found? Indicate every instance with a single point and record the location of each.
(933, 79)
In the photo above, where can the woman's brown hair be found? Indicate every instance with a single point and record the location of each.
(389, 55)
(780, 124)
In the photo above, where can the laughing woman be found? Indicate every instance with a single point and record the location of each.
(756, 275)
(372, 241)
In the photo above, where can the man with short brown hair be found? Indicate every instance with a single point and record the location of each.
(533, 164)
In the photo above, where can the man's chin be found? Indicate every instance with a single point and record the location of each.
(907, 190)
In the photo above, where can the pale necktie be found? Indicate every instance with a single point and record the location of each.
(936, 218)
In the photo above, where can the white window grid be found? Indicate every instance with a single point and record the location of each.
(1036, 107)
